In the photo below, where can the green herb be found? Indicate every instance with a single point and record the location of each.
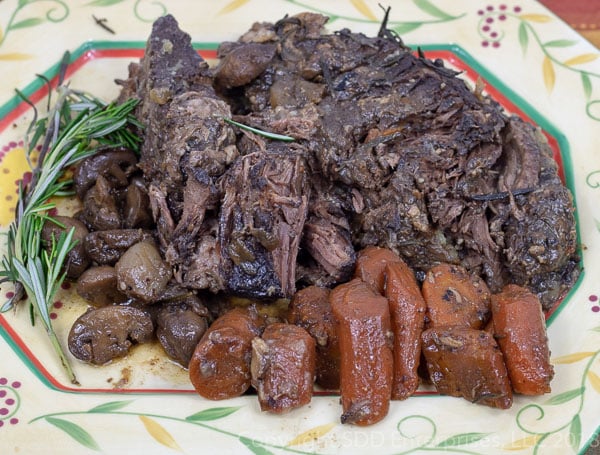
(76, 126)
(274, 136)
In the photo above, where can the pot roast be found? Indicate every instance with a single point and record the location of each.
(390, 149)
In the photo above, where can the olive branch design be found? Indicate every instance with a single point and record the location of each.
(57, 12)
(527, 34)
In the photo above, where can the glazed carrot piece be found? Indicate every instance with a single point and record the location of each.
(220, 366)
(364, 330)
(464, 362)
(520, 329)
(454, 297)
(283, 367)
(370, 266)
(311, 310)
(407, 311)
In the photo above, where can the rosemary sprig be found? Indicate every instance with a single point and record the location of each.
(267, 134)
(76, 126)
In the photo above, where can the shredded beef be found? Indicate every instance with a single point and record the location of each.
(391, 149)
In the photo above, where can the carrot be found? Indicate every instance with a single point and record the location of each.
(283, 367)
(364, 330)
(520, 329)
(370, 266)
(220, 366)
(454, 297)
(311, 310)
(407, 311)
(464, 362)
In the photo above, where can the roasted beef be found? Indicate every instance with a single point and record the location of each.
(391, 149)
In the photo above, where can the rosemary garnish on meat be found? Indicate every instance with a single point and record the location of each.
(268, 135)
(76, 126)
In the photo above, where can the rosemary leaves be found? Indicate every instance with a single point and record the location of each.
(76, 126)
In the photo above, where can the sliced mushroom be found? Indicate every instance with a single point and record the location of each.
(141, 272)
(98, 285)
(103, 334)
(77, 259)
(106, 247)
(114, 165)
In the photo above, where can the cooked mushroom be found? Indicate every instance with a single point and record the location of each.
(100, 210)
(98, 285)
(114, 165)
(136, 210)
(180, 325)
(77, 259)
(106, 247)
(141, 272)
(103, 334)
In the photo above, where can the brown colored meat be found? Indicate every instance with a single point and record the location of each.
(311, 310)
(464, 362)
(454, 297)
(407, 311)
(520, 329)
(262, 216)
(283, 367)
(364, 330)
(220, 366)
(370, 266)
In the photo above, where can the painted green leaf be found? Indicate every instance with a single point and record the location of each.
(587, 85)
(110, 406)
(254, 447)
(597, 223)
(32, 21)
(103, 2)
(431, 9)
(575, 433)
(560, 43)
(212, 414)
(523, 36)
(597, 329)
(406, 27)
(565, 396)
(75, 431)
(462, 439)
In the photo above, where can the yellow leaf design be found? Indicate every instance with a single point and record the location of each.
(583, 58)
(549, 76)
(158, 432)
(232, 6)
(524, 443)
(572, 358)
(362, 7)
(536, 17)
(594, 380)
(312, 434)
(15, 56)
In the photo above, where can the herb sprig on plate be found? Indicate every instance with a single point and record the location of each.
(76, 126)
